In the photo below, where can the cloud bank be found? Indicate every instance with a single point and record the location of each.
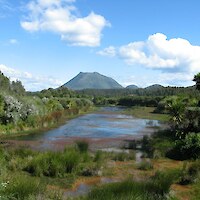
(31, 82)
(174, 57)
(59, 16)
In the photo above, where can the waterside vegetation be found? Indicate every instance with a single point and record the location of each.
(169, 167)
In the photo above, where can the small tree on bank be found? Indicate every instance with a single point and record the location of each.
(197, 80)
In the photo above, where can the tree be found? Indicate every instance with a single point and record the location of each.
(4, 82)
(176, 107)
(17, 87)
(197, 80)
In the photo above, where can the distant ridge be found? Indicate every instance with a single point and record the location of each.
(87, 80)
(154, 87)
(132, 87)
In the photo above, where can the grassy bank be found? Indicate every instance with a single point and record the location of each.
(146, 113)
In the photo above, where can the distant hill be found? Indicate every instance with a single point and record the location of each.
(154, 87)
(92, 81)
(132, 87)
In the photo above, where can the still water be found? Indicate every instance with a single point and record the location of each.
(108, 122)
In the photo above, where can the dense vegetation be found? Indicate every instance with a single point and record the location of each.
(23, 111)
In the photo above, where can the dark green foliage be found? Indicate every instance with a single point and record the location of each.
(161, 92)
(197, 80)
(147, 145)
(187, 148)
(139, 101)
(82, 146)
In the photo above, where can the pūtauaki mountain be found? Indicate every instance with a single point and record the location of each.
(92, 81)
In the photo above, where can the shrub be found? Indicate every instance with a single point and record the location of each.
(187, 148)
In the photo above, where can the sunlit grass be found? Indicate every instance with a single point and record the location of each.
(146, 113)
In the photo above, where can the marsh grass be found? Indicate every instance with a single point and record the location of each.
(123, 156)
(145, 165)
(54, 164)
(146, 113)
(22, 186)
(157, 187)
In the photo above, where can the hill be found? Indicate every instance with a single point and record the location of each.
(132, 87)
(154, 87)
(92, 81)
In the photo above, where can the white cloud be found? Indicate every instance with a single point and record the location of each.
(31, 82)
(59, 16)
(109, 51)
(157, 52)
(176, 58)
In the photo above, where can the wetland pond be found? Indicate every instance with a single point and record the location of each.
(107, 127)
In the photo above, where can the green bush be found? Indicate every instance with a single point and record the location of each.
(187, 148)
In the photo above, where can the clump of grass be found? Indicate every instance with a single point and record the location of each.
(145, 165)
(21, 187)
(98, 157)
(54, 164)
(160, 183)
(190, 174)
(82, 146)
(123, 156)
(155, 188)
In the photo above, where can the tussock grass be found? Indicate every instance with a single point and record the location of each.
(157, 187)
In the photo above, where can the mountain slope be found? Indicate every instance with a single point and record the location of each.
(91, 81)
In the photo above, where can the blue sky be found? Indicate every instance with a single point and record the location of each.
(45, 43)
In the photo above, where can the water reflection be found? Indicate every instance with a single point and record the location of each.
(107, 123)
